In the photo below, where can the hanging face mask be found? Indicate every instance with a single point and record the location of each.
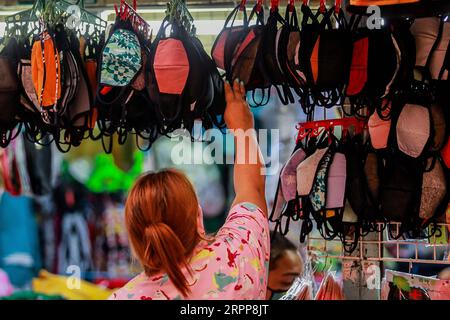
(318, 194)
(287, 53)
(382, 64)
(247, 66)
(400, 188)
(379, 131)
(289, 175)
(120, 65)
(333, 60)
(358, 68)
(9, 89)
(337, 176)
(413, 129)
(397, 68)
(445, 154)
(439, 127)
(121, 59)
(171, 63)
(228, 39)
(434, 189)
(356, 189)
(371, 170)
(46, 71)
(432, 35)
(374, 67)
(169, 73)
(306, 172)
(200, 84)
(269, 46)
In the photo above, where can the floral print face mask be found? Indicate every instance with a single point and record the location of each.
(318, 192)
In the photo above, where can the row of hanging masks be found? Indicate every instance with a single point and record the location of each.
(50, 62)
(306, 60)
(73, 80)
(345, 188)
(312, 184)
(325, 60)
(153, 88)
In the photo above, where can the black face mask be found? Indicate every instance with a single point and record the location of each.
(287, 49)
(169, 107)
(381, 67)
(228, 39)
(9, 92)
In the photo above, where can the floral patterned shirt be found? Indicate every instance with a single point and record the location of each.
(233, 266)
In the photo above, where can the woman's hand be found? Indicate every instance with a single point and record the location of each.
(237, 113)
(249, 181)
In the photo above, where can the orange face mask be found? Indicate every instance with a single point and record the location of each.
(46, 71)
(315, 60)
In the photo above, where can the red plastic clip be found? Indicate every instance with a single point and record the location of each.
(291, 5)
(242, 5)
(258, 5)
(274, 5)
(337, 6)
(322, 7)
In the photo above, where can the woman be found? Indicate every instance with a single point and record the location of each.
(285, 266)
(164, 224)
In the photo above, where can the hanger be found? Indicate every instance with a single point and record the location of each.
(317, 127)
(322, 6)
(242, 5)
(177, 11)
(127, 12)
(291, 5)
(259, 5)
(25, 24)
(337, 6)
(421, 9)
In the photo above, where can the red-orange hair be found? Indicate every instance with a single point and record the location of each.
(161, 217)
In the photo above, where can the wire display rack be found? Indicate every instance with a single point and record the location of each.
(376, 251)
(373, 247)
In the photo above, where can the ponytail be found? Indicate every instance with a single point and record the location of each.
(164, 251)
(162, 221)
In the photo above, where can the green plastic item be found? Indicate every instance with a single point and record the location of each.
(106, 177)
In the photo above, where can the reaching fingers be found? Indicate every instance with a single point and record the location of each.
(229, 94)
(242, 89)
(236, 88)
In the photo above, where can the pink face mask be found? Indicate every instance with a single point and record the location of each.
(289, 175)
(433, 190)
(306, 172)
(425, 32)
(171, 62)
(413, 129)
(379, 131)
(337, 175)
(438, 57)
